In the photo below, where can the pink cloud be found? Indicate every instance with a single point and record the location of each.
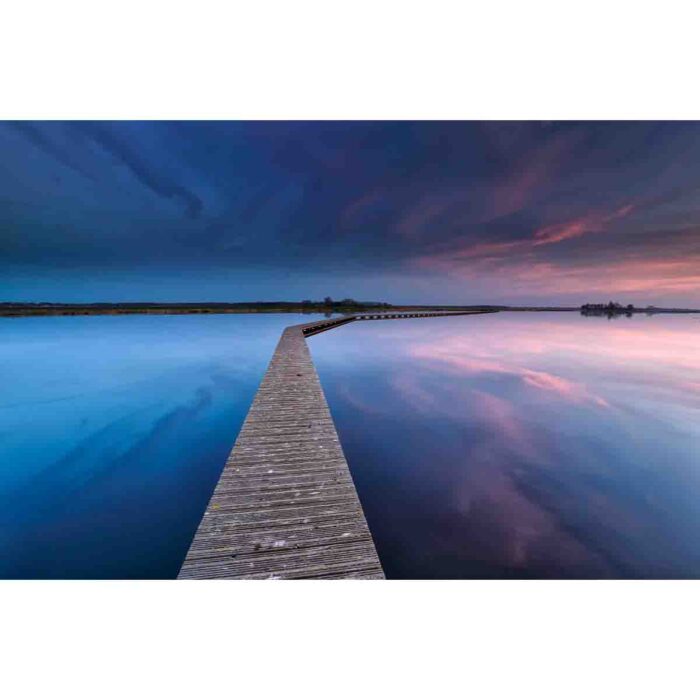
(517, 258)
(477, 204)
(593, 223)
(526, 273)
(530, 175)
(625, 276)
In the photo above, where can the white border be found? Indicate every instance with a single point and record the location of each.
(361, 60)
(349, 639)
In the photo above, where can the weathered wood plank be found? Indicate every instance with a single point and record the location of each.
(285, 505)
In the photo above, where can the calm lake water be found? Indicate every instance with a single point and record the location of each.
(113, 433)
(505, 445)
(523, 445)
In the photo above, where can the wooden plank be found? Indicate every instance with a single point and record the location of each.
(285, 505)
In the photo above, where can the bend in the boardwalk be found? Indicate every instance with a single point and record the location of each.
(285, 505)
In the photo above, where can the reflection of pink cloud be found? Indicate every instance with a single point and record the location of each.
(658, 357)
(410, 390)
(573, 391)
(354, 398)
(509, 528)
(514, 494)
(458, 401)
(505, 422)
(453, 352)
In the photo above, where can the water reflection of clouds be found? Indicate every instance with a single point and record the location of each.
(527, 444)
(454, 353)
(661, 353)
(508, 526)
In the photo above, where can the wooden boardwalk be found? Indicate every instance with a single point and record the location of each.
(285, 505)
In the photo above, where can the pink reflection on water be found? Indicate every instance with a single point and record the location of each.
(505, 526)
(454, 352)
(542, 443)
(564, 363)
(506, 422)
(571, 359)
(567, 389)
(508, 528)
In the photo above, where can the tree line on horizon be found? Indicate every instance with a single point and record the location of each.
(612, 308)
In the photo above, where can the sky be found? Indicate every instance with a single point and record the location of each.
(403, 212)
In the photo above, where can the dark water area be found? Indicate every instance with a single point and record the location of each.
(522, 445)
(113, 433)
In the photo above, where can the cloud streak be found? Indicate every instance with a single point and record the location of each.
(431, 212)
(593, 223)
(146, 175)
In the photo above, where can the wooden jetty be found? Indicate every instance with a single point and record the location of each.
(285, 505)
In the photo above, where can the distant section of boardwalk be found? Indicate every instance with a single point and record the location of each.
(285, 505)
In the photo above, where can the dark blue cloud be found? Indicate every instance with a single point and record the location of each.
(41, 139)
(451, 211)
(147, 175)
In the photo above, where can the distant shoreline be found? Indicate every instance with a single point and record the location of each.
(13, 309)
(17, 309)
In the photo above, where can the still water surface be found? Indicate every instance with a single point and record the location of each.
(113, 433)
(505, 445)
(523, 445)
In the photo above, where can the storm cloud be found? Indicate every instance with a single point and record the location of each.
(453, 212)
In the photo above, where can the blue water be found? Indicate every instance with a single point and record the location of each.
(520, 445)
(495, 446)
(113, 433)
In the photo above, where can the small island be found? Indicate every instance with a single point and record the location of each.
(614, 309)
